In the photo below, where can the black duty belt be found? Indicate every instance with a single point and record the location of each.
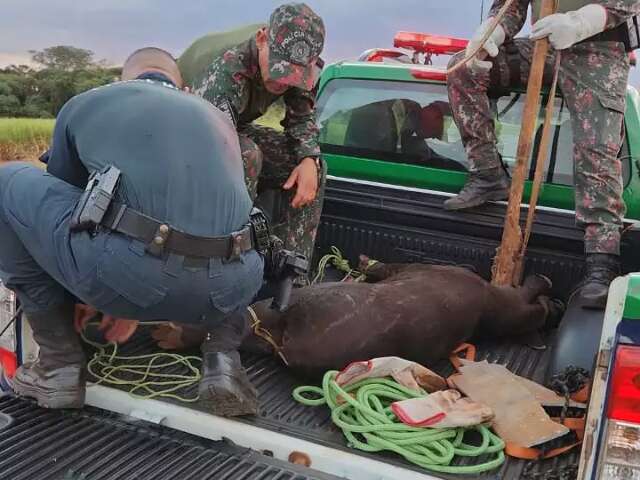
(161, 237)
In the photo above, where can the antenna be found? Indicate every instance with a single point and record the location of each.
(481, 11)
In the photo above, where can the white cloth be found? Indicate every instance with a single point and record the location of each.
(444, 409)
(408, 374)
(567, 29)
(490, 47)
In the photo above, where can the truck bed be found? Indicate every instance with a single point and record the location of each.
(391, 224)
(279, 412)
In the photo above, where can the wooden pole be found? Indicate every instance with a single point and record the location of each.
(537, 178)
(507, 255)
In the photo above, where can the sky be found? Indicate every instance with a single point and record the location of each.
(114, 28)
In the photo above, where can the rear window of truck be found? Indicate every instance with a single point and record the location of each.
(411, 123)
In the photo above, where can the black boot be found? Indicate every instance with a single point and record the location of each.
(225, 388)
(56, 379)
(602, 268)
(481, 187)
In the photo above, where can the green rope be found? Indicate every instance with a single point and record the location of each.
(141, 375)
(341, 264)
(363, 412)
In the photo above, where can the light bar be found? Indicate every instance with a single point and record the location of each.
(425, 43)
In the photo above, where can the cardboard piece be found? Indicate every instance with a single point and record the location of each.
(546, 397)
(519, 416)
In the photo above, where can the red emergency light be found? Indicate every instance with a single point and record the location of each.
(434, 74)
(379, 54)
(430, 44)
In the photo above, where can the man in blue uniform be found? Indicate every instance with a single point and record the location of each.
(174, 243)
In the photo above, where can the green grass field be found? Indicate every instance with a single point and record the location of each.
(25, 130)
(27, 138)
(24, 138)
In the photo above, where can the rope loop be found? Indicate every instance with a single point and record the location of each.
(363, 412)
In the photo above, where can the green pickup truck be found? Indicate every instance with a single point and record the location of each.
(394, 156)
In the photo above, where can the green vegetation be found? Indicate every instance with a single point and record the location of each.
(24, 138)
(40, 93)
(25, 130)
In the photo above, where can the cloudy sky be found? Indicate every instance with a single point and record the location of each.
(114, 28)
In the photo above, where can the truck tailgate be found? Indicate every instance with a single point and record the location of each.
(39, 444)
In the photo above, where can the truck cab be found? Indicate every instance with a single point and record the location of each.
(394, 155)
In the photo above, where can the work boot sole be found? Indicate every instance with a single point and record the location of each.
(226, 398)
(56, 399)
(496, 196)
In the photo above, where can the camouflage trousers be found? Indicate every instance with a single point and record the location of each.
(268, 162)
(593, 79)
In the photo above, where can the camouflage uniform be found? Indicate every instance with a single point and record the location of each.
(593, 79)
(233, 82)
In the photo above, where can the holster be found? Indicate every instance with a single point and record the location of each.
(95, 200)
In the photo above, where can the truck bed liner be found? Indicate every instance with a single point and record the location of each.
(39, 444)
(279, 412)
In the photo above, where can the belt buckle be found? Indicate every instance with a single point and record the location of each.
(159, 241)
(235, 249)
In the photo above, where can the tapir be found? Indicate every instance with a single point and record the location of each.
(415, 311)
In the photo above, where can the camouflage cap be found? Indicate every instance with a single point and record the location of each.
(296, 39)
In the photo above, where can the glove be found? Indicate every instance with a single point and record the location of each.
(567, 29)
(446, 409)
(491, 46)
(408, 374)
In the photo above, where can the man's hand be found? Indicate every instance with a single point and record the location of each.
(117, 330)
(567, 29)
(305, 176)
(83, 313)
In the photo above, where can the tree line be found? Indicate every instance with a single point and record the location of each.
(61, 72)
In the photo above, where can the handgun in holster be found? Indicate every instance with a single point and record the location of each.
(281, 266)
(95, 199)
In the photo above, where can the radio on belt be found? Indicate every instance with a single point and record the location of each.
(95, 200)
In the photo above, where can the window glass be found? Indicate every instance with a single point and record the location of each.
(411, 123)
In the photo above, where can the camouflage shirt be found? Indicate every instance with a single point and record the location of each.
(233, 83)
(618, 11)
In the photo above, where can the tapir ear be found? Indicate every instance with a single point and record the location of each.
(534, 286)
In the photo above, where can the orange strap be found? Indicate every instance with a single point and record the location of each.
(582, 395)
(517, 451)
(469, 354)
(575, 424)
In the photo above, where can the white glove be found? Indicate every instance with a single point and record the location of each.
(444, 409)
(491, 46)
(409, 374)
(566, 29)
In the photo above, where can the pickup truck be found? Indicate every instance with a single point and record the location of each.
(392, 162)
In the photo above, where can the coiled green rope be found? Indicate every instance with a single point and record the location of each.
(363, 412)
(141, 375)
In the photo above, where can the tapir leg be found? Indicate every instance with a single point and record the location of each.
(515, 311)
(271, 322)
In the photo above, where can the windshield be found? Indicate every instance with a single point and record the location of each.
(411, 123)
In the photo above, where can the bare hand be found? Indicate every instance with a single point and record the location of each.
(83, 313)
(117, 330)
(305, 176)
